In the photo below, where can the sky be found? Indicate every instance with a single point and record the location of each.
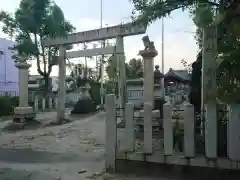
(179, 30)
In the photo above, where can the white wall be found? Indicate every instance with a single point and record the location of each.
(8, 72)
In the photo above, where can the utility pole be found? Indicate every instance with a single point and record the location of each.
(162, 83)
(102, 57)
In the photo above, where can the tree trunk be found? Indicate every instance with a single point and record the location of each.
(46, 90)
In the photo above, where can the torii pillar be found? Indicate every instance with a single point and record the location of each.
(61, 84)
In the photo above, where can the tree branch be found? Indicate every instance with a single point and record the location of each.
(49, 61)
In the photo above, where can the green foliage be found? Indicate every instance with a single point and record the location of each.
(148, 11)
(134, 69)
(14, 101)
(228, 76)
(111, 68)
(7, 105)
(33, 21)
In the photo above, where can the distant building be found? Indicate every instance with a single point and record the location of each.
(177, 76)
(176, 81)
(9, 81)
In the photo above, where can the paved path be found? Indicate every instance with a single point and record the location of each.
(73, 151)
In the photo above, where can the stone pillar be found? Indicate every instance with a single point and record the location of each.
(43, 103)
(23, 111)
(23, 83)
(36, 103)
(56, 102)
(61, 84)
(209, 65)
(148, 54)
(122, 74)
(50, 103)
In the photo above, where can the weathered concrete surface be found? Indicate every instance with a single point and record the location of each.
(72, 151)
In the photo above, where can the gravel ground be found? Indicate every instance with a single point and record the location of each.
(73, 151)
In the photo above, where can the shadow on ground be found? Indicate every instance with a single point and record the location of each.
(11, 174)
(14, 127)
(12, 155)
(36, 124)
(174, 172)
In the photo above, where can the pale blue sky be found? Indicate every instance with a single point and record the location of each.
(85, 15)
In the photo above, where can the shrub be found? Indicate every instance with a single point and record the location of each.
(6, 106)
(14, 101)
(84, 106)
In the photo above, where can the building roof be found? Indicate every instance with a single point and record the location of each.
(181, 75)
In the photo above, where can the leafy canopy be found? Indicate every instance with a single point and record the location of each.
(147, 11)
(134, 69)
(31, 22)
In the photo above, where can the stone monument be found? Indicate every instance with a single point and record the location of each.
(23, 112)
(148, 54)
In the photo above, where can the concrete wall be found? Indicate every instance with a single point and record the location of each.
(8, 72)
(135, 93)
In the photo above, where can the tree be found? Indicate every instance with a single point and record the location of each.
(111, 68)
(134, 69)
(33, 21)
(146, 11)
(228, 75)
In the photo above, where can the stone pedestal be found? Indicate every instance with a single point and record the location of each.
(23, 112)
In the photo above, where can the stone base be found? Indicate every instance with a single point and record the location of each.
(101, 107)
(139, 118)
(155, 113)
(22, 114)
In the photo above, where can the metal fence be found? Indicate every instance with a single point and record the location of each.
(9, 93)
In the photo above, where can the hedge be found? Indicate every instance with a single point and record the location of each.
(7, 105)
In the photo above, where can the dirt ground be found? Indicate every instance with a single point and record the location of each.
(73, 151)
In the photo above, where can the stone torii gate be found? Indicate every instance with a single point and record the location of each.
(118, 32)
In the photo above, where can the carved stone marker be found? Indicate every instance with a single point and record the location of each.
(209, 90)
